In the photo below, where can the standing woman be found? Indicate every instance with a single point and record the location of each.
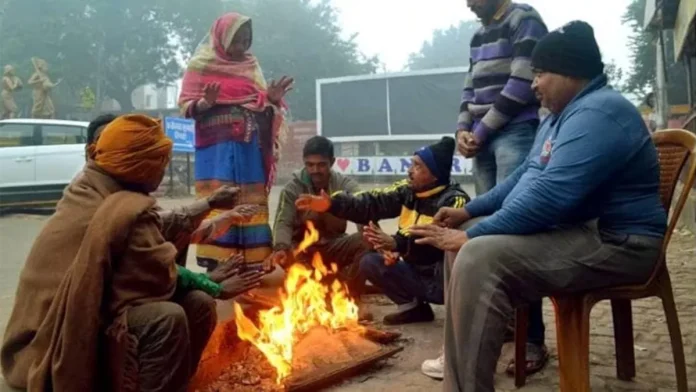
(240, 126)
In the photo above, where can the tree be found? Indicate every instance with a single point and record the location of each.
(115, 45)
(641, 75)
(124, 44)
(447, 48)
(615, 75)
(302, 39)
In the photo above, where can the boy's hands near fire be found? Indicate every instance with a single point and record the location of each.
(233, 280)
(240, 283)
(379, 240)
(229, 268)
(316, 203)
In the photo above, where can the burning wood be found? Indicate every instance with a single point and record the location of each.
(321, 358)
(306, 303)
(312, 337)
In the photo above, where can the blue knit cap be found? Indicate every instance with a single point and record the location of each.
(438, 158)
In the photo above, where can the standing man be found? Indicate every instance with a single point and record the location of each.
(290, 224)
(498, 119)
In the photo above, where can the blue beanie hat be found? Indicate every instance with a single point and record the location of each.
(438, 158)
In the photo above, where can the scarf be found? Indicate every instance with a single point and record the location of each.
(241, 82)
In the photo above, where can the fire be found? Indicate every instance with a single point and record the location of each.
(306, 302)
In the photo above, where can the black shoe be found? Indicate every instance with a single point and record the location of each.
(422, 313)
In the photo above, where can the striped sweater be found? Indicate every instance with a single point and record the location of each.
(497, 90)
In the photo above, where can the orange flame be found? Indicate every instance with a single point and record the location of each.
(306, 303)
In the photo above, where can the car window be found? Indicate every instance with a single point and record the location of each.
(16, 135)
(62, 134)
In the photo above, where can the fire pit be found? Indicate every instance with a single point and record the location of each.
(311, 339)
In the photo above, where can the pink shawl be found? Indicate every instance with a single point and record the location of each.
(241, 82)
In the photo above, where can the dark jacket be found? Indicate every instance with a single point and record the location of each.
(290, 224)
(399, 200)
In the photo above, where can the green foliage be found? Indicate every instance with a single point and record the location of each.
(302, 39)
(641, 74)
(128, 42)
(448, 48)
(122, 44)
(615, 75)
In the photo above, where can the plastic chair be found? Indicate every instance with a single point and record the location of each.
(676, 148)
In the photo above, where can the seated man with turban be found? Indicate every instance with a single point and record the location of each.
(101, 304)
(184, 225)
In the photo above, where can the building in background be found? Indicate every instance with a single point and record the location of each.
(378, 121)
(679, 17)
(151, 97)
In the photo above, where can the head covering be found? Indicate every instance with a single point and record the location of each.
(438, 158)
(133, 149)
(569, 51)
(241, 82)
(8, 70)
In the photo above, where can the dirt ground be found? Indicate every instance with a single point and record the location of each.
(653, 353)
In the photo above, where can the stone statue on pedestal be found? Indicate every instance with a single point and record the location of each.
(42, 85)
(10, 84)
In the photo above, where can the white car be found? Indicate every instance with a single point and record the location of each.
(38, 158)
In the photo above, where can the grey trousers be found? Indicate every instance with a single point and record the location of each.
(492, 275)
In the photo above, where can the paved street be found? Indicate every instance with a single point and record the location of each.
(653, 352)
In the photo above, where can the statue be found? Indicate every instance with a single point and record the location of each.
(43, 105)
(10, 84)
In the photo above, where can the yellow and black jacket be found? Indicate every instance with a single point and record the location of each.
(399, 200)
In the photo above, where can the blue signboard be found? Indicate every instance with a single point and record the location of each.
(181, 131)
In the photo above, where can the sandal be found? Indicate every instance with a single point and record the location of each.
(537, 358)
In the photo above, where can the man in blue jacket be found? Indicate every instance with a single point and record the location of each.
(582, 212)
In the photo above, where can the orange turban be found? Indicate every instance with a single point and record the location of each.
(134, 149)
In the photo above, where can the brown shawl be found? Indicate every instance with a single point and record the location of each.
(101, 253)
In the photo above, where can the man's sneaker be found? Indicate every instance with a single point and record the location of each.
(420, 314)
(434, 368)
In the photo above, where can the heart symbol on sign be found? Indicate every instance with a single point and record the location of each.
(343, 163)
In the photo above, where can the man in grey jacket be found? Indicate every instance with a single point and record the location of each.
(335, 245)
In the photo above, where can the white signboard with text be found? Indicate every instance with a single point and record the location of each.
(391, 166)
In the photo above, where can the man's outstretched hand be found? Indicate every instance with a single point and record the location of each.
(378, 238)
(224, 197)
(320, 203)
(450, 240)
(227, 269)
(280, 258)
(242, 212)
(241, 283)
(451, 217)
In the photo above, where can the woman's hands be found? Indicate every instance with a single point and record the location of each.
(277, 89)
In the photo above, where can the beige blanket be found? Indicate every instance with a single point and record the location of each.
(99, 254)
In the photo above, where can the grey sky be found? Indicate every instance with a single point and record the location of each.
(394, 28)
